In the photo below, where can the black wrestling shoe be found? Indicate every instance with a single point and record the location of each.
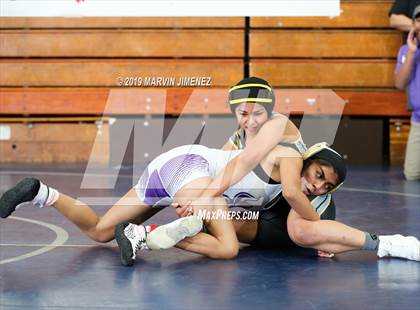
(130, 239)
(24, 191)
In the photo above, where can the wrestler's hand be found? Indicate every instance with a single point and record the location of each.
(184, 210)
(325, 254)
(192, 207)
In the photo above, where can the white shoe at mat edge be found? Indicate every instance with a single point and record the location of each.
(399, 246)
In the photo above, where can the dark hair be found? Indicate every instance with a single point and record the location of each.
(252, 89)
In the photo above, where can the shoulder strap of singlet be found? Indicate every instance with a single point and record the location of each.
(260, 173)
(321, 203)
(242, 137)
(236, 140)
(292, 145)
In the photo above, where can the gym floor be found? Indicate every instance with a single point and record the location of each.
(47, 263)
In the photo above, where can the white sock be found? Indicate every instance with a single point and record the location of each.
(46, 196)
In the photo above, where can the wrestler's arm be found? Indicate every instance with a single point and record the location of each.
(278, 129)
(290, 174)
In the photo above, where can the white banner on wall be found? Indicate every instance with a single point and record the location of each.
(216, 8)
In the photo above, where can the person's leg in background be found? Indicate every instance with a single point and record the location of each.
(412, 153)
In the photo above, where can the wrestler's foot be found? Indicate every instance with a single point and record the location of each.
(399, 246)
(24, 191)
(130, 239)
(167, 236)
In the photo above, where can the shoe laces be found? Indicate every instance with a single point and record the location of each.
(136, 237)
(140, 245)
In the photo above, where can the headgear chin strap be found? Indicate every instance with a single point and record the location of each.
(254, 90)
(323, 151)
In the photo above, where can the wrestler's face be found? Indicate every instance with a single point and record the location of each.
(251, 116)
(318, 179)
